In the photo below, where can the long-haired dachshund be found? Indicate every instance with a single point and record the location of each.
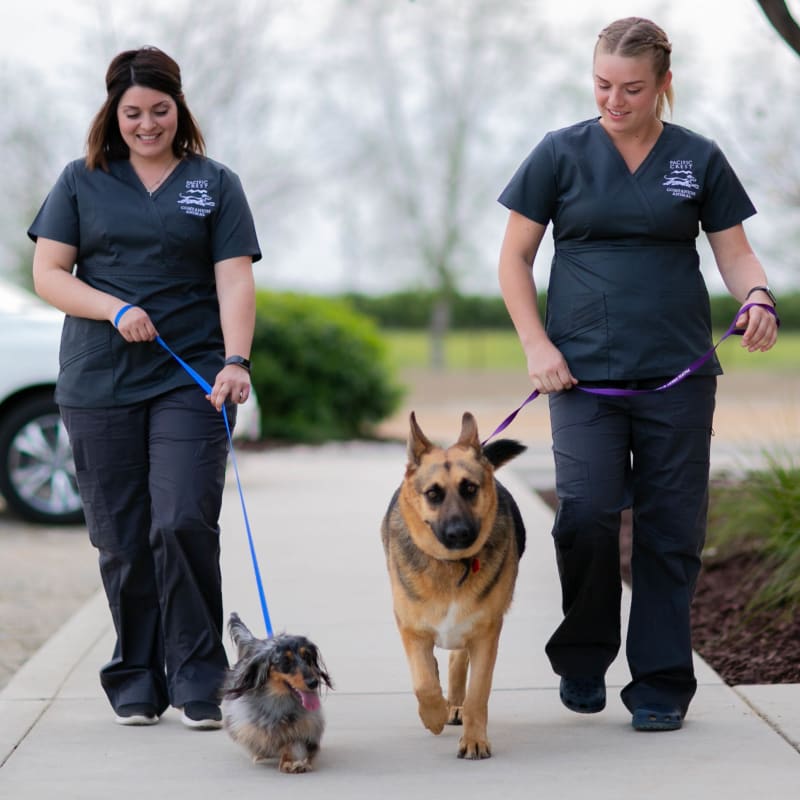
(270, 697)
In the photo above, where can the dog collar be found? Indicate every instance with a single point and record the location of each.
(470, 565)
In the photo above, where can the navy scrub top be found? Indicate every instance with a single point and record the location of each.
(626, 299)
(155, 251)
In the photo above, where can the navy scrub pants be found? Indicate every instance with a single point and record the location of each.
(151, 477)
(651, 452)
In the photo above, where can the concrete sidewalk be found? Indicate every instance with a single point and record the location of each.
(315, 515)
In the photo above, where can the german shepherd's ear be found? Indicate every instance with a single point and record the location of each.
(418, 442)
(469, 433)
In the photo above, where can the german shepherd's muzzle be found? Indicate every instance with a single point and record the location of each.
(453, 537)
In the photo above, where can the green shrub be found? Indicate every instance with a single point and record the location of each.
(319, 369)
(409, 309)
(762, 512)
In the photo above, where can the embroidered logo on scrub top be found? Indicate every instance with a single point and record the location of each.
(680, 181)
(195, 199)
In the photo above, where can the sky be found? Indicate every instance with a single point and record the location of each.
(46, 33)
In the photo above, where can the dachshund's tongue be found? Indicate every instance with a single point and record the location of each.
(310, 700)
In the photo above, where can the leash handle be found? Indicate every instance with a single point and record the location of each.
(610, 392)
(120, 313)
(206, 387)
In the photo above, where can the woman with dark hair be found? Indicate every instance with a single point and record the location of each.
(147, 237)
(148, 67)
(627, 309)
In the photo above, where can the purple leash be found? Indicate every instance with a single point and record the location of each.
(610, 392)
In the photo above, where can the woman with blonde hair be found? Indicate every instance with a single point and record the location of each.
(627, 309)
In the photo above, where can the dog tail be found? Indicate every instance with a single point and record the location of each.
(502, 451)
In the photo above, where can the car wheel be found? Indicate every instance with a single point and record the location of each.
(37, 471)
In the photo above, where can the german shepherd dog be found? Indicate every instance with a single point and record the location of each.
(453, 537)
(270, 697)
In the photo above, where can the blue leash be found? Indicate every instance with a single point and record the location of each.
(206, 387)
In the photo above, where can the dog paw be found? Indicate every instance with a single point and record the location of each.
(434, 715)
(455, 715)
(295, 767)
(474, 749)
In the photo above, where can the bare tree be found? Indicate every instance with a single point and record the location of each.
(29, 164)
(432, 96)
(763, 140)
(782, 20)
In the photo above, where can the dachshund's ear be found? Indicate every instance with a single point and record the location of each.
(240, 633)
(325, 678)
(320, 667)
(247, 676)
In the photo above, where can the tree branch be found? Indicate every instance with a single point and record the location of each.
(782, 20)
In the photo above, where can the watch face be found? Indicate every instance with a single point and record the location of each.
(766, 290)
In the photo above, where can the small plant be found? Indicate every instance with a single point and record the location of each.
(762, 513)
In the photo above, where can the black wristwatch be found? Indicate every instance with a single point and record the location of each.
(766, 291)
(240, 361)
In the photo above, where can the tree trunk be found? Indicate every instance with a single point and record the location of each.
(439, 326)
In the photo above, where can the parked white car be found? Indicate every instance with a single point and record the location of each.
(37, 472)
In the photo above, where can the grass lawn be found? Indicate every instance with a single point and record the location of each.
(501, 350)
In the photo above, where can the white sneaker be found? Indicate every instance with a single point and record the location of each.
(202, 716)
(136, 714)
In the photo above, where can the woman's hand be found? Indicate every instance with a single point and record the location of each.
(741, 271)
(232, 382)
(761, 329)
(547, 368)
(135, 325)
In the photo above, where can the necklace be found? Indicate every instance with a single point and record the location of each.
(153, 186)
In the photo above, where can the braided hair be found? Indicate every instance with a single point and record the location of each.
(636, 36)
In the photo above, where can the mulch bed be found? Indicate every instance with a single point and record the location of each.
(741, 646)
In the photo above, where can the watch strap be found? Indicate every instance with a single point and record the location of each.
(239, 361)
(766, 291)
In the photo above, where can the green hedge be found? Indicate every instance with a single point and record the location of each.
(411, 310)
(319, 368)
(724, 307)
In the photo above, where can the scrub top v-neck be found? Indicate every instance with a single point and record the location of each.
(156, 251)
(643, 162)
(626, 298)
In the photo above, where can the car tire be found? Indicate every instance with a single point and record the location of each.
(37, 470)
